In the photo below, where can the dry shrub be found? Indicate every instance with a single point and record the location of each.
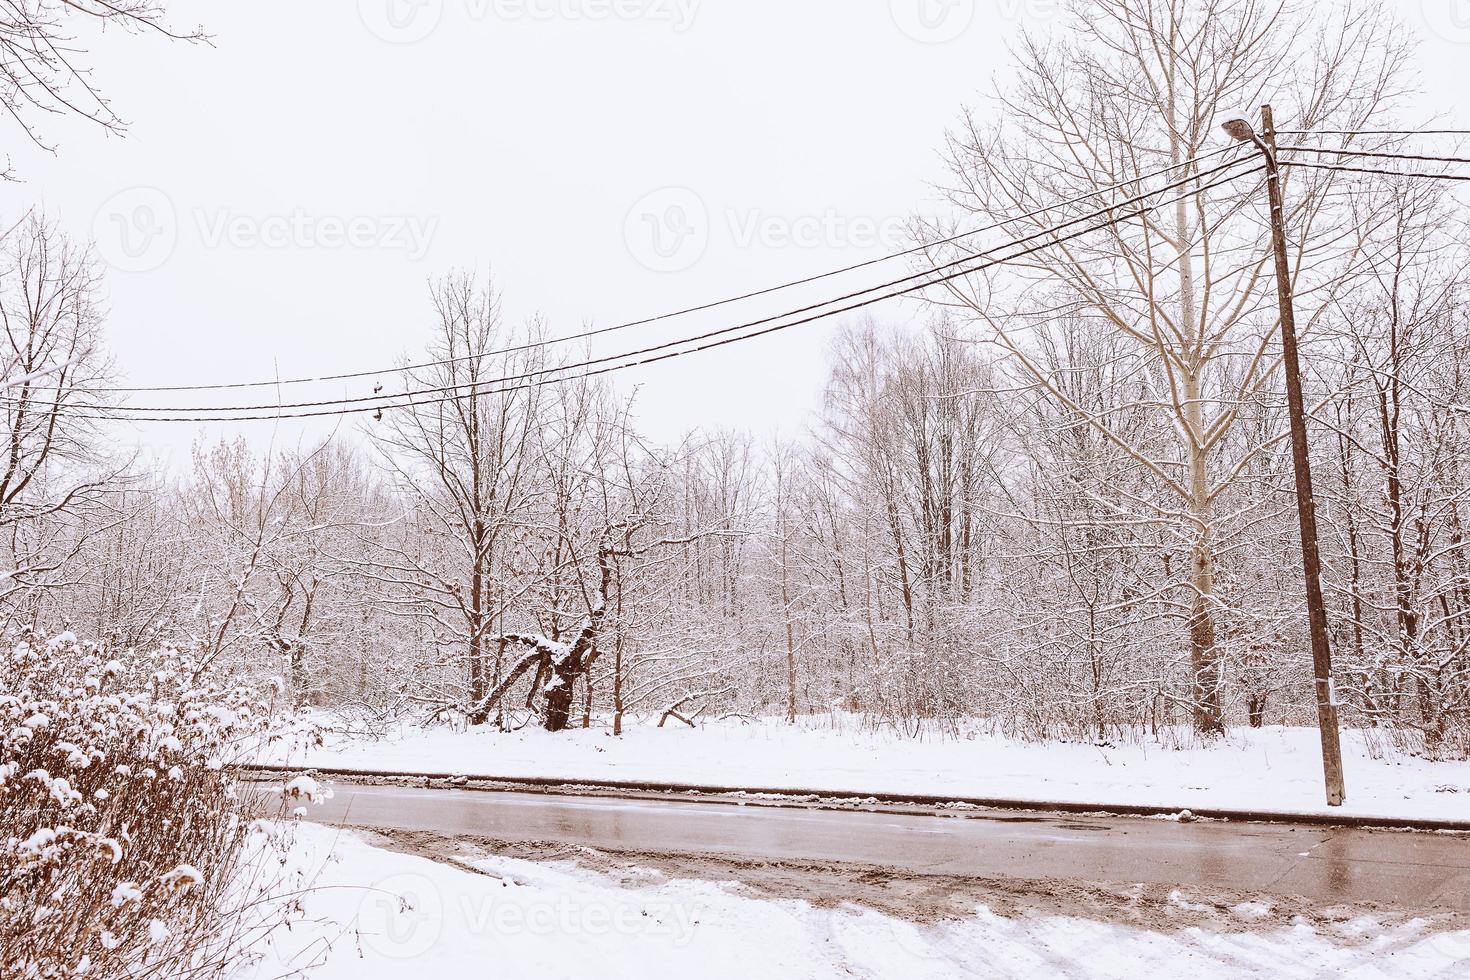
(126, 847)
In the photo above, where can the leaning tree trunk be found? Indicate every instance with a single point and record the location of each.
(564, 677)
(575, 664)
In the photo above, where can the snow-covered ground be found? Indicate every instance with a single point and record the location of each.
(374, 913)
(1272, 769)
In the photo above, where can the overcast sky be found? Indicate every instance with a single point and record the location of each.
(283, 197)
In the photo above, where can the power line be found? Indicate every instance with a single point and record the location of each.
(1374, 132)
(372, 402)
(1097, 192)
(1369, 170)
(950, 276)
(1374, 153)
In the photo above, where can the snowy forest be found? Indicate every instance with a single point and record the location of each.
(1055, 496)
(1077, 532)
(1045, 524)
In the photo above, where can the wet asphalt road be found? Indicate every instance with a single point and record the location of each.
(1411, 870)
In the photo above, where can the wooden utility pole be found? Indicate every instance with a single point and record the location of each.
(1305, 502)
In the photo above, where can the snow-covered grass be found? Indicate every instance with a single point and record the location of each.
(379, 914)
(127, 848)
(1274, 769)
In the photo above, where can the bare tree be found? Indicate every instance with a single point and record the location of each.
(41, 50)
(55, 468)
(1400, 447)
(463, 466)
(910, 429)
(1130, 87)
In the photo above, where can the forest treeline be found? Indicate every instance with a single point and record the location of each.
(1056, 495)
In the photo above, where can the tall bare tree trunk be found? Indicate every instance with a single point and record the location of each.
(790, 634)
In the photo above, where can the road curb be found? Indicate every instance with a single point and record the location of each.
(543, 783)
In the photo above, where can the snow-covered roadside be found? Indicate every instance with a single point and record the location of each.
(1269, 769)
(376, 913)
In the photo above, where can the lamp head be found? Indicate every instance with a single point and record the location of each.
(1239, 128)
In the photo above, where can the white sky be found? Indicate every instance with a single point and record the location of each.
(523, 136)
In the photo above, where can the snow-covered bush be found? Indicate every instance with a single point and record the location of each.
(127, 848)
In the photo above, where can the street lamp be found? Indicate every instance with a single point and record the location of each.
(1239, 128)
